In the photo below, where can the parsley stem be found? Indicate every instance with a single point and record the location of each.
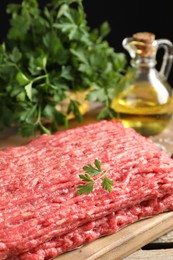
(103, 173)
(40, 77)
(39, 116)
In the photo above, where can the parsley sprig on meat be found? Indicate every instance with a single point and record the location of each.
(89, 181)
(47, 52)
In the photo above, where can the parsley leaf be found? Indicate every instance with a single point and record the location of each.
(86, 188)
(107, 184)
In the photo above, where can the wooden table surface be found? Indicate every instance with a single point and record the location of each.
(160, 249)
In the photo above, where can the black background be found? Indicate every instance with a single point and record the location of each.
(124, 18)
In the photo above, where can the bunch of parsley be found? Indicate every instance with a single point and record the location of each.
(47, 52)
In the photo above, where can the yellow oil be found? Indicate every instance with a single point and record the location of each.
(142, 108)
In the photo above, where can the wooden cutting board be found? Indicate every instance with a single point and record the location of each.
(125, 241)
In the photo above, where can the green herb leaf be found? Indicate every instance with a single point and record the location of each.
(107, 113)
(90, 169)
(16, 55)
(74, 108)
(107, 184)
(86, 188)
(22, 79)
(98, 165)
(87, 177)
(28, 89)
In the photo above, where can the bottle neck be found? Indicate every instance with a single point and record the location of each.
(149, 62)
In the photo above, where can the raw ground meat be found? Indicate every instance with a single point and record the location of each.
(41, 215)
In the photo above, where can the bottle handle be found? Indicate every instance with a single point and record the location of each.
(167, 56)
(126, 43)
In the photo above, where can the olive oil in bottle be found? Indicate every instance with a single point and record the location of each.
(146, 104)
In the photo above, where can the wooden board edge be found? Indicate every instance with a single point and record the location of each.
(124, 242)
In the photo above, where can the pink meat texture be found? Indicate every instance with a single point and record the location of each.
(41, 214)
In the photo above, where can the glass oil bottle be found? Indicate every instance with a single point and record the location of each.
(146, 103)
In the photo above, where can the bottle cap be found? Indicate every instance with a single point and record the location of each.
(145, 37)
(144, 43)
